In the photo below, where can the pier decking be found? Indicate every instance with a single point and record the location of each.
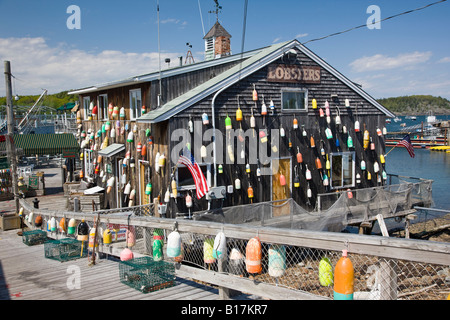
(25, 274)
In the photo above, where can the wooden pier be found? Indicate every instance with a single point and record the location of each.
(25, 274)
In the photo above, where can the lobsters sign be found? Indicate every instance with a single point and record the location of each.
(293, 73)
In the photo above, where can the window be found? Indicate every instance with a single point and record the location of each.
(294, 100)
(135, 103)
(86, 102)
(342, 170)
(103, 106)
(185, 181)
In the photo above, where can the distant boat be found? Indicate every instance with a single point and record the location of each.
(403, 125)
(397, 119)
(388, 120)
(413, 118)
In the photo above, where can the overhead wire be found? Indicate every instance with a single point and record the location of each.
(376, 22)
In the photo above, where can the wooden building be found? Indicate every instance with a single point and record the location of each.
(314, 114)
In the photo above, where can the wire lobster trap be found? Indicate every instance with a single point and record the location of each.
(65, 249)
(34, 237)
(146, 275)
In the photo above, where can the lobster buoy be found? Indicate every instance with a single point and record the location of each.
(174, 189)
(21, 212)
(321, 114)
(254, 94)
(237, 184)
(325, 180)
(130, 235)
(252, 121)
(83, 231)
(236, 263)
(299, 156)
(349, 141)
(144, 151)
(110, 109)
(38, 221)
(277, 260)
(228, 125)
(62, 225)
(95, 110)
(308, 173)
(325, 272)
(343, 278)
(250, 192)
(295, 123)
(126, 255)
(379, 133)
(239, 114)
(349, 194)
(376, 167)
(363, 165)
(157, 244)
(382, 160)
(318, 163)
(148, 189)
(107, 237)
(253, 256)
(208, 246)
(142, 110)
(53, 224)
(174, 244)
(314, 103)
(122, 113)
(282, 179)
(357, 126)
(220, 246)
(180, 257)
(312, 142)
(139, 147)
(92, 238)
(71, 227)
(328, 133)
(190, 126)
(130, 137)
(205, 119)
(347, 103)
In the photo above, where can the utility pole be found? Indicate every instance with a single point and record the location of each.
(10, 147)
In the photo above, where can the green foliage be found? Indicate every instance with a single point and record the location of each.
(416, 104)
(50, 100)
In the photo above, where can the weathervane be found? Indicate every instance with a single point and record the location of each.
(217, 10)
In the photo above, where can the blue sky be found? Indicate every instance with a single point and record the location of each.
(410, 54)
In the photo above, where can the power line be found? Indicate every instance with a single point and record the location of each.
(364, 25)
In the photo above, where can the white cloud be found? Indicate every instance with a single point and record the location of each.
(383, 62)
(301, 35)
(444, 60)
(37, 65)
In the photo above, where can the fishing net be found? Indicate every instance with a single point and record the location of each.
(146, 275)
(65, 249)
(333, 212)
(34, 237)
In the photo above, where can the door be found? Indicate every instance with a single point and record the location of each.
(281, 185)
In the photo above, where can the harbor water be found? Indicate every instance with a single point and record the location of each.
(426, 164)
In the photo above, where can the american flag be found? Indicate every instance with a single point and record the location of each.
(406, 142)
(199, 178)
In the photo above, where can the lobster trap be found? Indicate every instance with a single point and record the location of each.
(65, 249)
(34, 237)
(146, 275)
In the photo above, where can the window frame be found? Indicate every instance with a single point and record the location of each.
(86, 103)
(102, 109)
(295, 90)
(134, 109)
(353, 170)
(192, 186)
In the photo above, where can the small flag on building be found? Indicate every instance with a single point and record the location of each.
(406, 142)
(199, 178)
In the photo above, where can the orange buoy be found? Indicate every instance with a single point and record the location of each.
(253, 256)
(144, 150)
(299, 156)
(250, 192)
(343, 278)
(318, 163)
(313, 144)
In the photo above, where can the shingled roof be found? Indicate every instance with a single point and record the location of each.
(217, 31)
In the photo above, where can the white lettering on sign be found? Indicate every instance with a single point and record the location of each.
(293, 73)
